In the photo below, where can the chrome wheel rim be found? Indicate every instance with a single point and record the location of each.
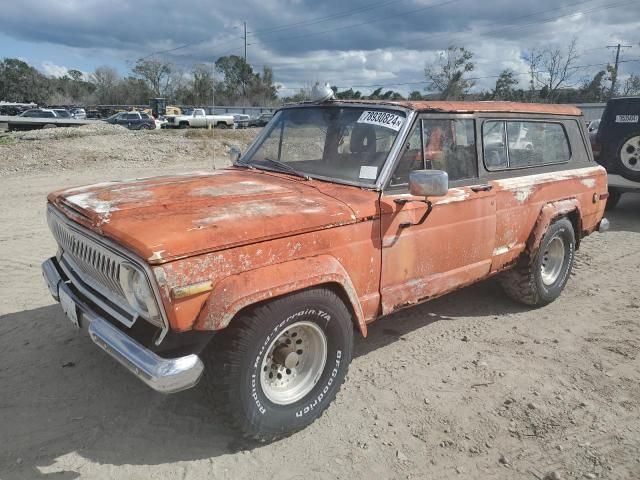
(293, 363)
(552, 261)
(630, 154)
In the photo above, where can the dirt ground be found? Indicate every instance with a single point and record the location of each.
(468, 386)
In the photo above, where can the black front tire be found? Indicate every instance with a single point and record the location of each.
(524, 282)
(234, 363)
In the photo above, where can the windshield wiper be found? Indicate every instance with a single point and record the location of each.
(283, 167)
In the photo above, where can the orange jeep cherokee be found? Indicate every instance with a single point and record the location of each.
(338, 214)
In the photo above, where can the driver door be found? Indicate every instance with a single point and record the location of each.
(453, 246)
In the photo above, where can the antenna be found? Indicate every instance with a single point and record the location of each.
(213, 111)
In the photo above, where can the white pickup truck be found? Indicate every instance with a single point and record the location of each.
(199, 119)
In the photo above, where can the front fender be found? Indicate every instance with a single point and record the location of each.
(236, 292)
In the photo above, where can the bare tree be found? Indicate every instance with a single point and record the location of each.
(533, 59)
(156, 73)
(631, 85)
(552, 69)
(106, 80)
(447, 74)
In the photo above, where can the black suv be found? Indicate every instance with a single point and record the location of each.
(133, 120)
(616, 146)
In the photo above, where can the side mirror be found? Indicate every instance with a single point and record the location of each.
(428, 183)
(234, 153)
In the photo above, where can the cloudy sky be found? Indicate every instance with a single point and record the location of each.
(359, 43)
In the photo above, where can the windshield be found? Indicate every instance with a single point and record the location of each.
(346, 144)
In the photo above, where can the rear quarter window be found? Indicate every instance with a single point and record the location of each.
(512, 144)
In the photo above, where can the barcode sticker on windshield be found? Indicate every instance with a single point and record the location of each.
(368, 172)
(382, 119)
(627, 118)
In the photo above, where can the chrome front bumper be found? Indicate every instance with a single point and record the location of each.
(166, 375)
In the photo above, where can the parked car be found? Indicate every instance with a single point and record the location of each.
(79, 113)
(340, 213)
(261, 120)
(593, 125)
(241, 120)
(39, 113)
(133, 120)
(616, 146)
(61, 113)
(199, 119)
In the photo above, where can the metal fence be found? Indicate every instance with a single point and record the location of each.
(253, 111)
(591, 111)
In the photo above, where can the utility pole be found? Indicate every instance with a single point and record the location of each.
(244, 85)
(245, 42)
(614, 75)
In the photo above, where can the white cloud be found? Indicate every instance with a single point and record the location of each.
(53, 70)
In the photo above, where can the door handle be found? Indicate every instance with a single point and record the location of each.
(482, 188)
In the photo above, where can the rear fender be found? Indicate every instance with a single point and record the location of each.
(549, 212)
(232, 294)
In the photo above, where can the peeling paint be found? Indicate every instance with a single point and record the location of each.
(523, 193)
(503, 249)
(88, 201)
(245, 187)
(454, 195)
(156, 256)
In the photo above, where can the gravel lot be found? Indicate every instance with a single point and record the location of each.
(468, 386)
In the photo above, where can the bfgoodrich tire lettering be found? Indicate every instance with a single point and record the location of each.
(237, 371)
(527, 282)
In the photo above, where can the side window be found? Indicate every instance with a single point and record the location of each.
(412, 158)
(450, 145)
(132, 116)
(494, 139)
(516, 144)
(558, 149)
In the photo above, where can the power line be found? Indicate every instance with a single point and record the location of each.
(369, 22)
(327, 18)
(280, 27)
(449, 35)
(484, 77)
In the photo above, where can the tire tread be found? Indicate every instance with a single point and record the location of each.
(225, 355)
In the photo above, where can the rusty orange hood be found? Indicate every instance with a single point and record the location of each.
(165, 218)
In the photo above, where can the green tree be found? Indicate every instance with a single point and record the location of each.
(447, 74)
(20, 82)
(262, 90)
(504, 86)
(415, 95)
(594, 90)
(75, 75)
(237, 78)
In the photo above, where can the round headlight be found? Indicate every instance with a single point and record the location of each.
(137, 291)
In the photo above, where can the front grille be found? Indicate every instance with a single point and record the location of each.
(94, 268)
(95, 263)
